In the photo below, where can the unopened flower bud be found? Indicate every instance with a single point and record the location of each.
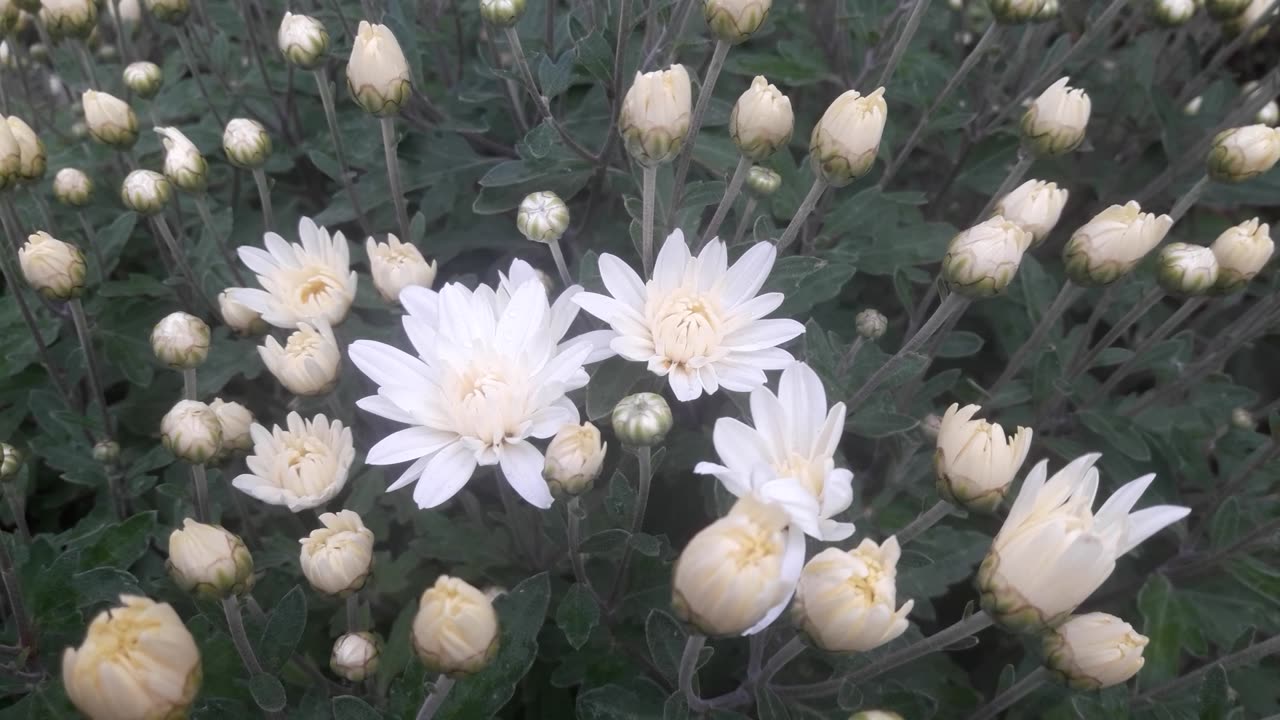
(762, 181)
(377, 73)
(10, 158)
(309, 361)
(1225, 9)
(1055, 123)
(10, 461)
(53, 268)
(542, 217)
(355, 656)
(234, 420)
(32, 160)
(574, 459)
(146, 192)
(654, 119)
(845, 141)
(143, 78)
(456, 629)
(396, 265)
(931, 426)
(981, 261)
(1243, 419)
(106, 451)
(72, 187)
(1185, 269)
(871, 324)
(338, 558)
(209, 561)
(1242, 251)
(183, 164)
(240, 317)
(733, 21)
(846, 601)
(191, 431)
(303, 40)
(974, 462)
(110, 120)
(1094, 651)
(761, 121)
(246, 143)
(9, 17)
(1035, 206)
(501, 13)
(641, 420)
(1269, 115)
(1172, 13)
(1251, 16)
(172, 12)
(1014, 12)
(1243, 153)
(180, 340)
(69, 18)
(1192, 108)
(1107, 247)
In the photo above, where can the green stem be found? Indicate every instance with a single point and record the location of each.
(180, 259)
(1068, 295)
(13, 592)
(1166, 328)
(331, 118)
(726, 202)
(264, 196)
(1016, 173)
(953, 305)
(353, 612)
(393, 175)
(1187, 200)
(17, 508)
(202, 206)
(924, 521)
(91, 361)
(695, 123)
(689, 672)
(747, 219)
(784, 655)
(189, 55)
(576, 559)
(29, 319)
(189, 385)
(517, 51)
(557, 254)
(644, 464)
(200, 486)
(802, 213)
(439, 693)
(1135, 313)
(1024, 687)
(648, 190)
(904, 39)
(846, 362)
(1247, 656)
(235, 623)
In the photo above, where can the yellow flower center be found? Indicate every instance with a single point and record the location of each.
(686, 326)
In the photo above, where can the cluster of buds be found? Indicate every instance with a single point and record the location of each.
(1055, 123)
(761, 120)
(180, 340)
(1243, 153)
(846, 139)
(146, 192)
(655, 115)
(1184, 269)
(53, 268)
(982, 261)
(542, 217)
(574, 459)
(246, 143)
(641, 420)
(975, 463)
(303, 40)
(456, 629)
(1241, 251)
(109, 119)
(209, 561)
(378, 73)
(733, 21)
(1107, 247)
(143, 78)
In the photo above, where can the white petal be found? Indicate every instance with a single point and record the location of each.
(410, 474)
(673, 258)
(740, 447)
(386, 365)
(600, 344)
(792, 566)
(1117, 507)
(622, 282)
(522, 467)
(745, 277)
(763, 334)
(713, 261)
(1145, 523)
(770, 420)
(446, 474)
(804, 401)
(408, 444)
(684, 383)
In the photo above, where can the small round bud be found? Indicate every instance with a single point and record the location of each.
(761, 120)
(32, 160)
(574, 459)
(378, 73)
(246, 143)
(184, 166)
(1094, 651)
(53, 268)
(209, 561)
(982, 261)
(146, 192)
(1184, 269)
(641, 420)
(106, 452)
(143, 78)
(69, 18)
(191, 431)
(303, 40)
(10, 461)
(654, 119)
(733, 21)
(1108, 247)
(240, 317)
(1243, 153)
(543, 217)
(180, 341)
(1225, 9)
(110, 120)
(234, 420)
(845, 140)
(1015, 12)
(762, 181)
(338, 558)
(355, 656)
(974, 462)
(1056, 122)
(172, 12)
(501, 13)
(1242, 419)
(1242, 251)
(396, 265)
(871, 323)
(456, 629)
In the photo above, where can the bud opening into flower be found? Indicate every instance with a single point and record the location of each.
(191, 431)
(574, 459)
(655, 115)
(1242, 251)
(456, 629)
(1185, 269)
(1094, 651)
(982, 261)
(246, 143)
(338, 558)
(975, 463)
(53, 268)
(377, 73)
(761, 120)
(845, 140)
(1055, 123)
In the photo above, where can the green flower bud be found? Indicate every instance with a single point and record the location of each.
(246, 143)
(501, 13)
(10, 461)
(641, 420)
(762, 182)
(871, 323)
(543, 217)
(146, 192)
(143, 78)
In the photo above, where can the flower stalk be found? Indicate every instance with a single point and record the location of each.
(1143, 305)
(802, 213)
(264, 197)
(1066, 296)
(393, 174)
(1247, 656)
(91, 361)
(235, 623)
(924, 521)
(1016, 173)
(726, 202)
(517, 51)
(648, 189)
(189, 56)
(689, 672)
(439, 693)
(202, 207)
(1189, 306)
(339, 150)
(952, 306)
(1189, 198)
(904, 39)
(644, 459)
(695, 122)
(1022, 688)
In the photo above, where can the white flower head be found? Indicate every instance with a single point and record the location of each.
(1109, 246)
(1094, 651)
(1034, 206)
(1055, 123)
(699, 321)
(302, 466)
(974, 461)
(309, 361)
(337, 558)
(1242, 251)
(302, 282)
(396, 265)
(845, 600)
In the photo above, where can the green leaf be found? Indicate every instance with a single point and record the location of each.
(666, 639)
(1118, 432)
(268, 693)
(605, 541)
(1168, 625)
(876, 423)
(284, 628)
(676, 707)
(1215, 695)
(350, 707)
(612, 380)
(622, 702)
(620, 498)
(646, 545)
(958, 344)
(554, 77)
(577, 615)
(118, 545)
(805, 281)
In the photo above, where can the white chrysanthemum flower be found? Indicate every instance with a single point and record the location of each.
(698, 321)
(490, 374)
(300, 467)
(309, 361)
(300, 282)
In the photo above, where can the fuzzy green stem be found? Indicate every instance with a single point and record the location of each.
(190, 57)
(784, 655)
(202, 207)
(1160, 333)
(1066, 296)
(1135, 313)
(557, 254)
(747, 219)
(200, 488)
(339, 150)
(1189, 198)
(91, 361)
(924, 521)
(393, 175)
(802, 213)
(189, 386)
(353, 612)
(1247, 656)
(648, 190)
(1016, 173)
(522, 63)
(689, 672)
(695, 123)
(17, 508)
(13, 592)
(726, 202)
(904, 39)
(953, 305)
(1024, 687)
(264, 197)
(644, 471)
(435, 700)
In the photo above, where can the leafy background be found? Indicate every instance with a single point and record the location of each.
(1202, 590)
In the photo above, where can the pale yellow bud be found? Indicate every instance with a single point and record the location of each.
(10, 461)
(338, 558)
(173, 12)
(51, 267)
(654, 119)
(240, 317)
(641, 420)
(501, 13)
(761, 121)
(234, 421)
(355, 656)
(1094, 651)
(574, 459)
(845, 141)
(1107, 247)
(733, 21)
(456, 629)
(308, 363)
(180, 340)
(246, 143)
(209, 561)
(143, 78)
(871, 324)
(1035, 206)
(32, 160)
(1184, 269)
(845, 601)
(1013, 12)
(191, 431)
(762, 181)
(183, 164)
(1242, 251)
(982, 261)
(543, 217)
(1243, 153)
(377, 73)
(69, 18)
(72, 187)
(110, 120)
(974, 462)
(1172, 13)
(1055, 123)
(303, 40)
(1242, 419)
(146, 192)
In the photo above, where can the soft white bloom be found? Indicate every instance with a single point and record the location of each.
(111, 121)
(183, 164)
(1242, 251)
(235, 420)
(845, 141)
(53, 268)
(145, 191)
(983, 260)
(302, 282)
(1107, 247)
(396, 265)
(143, 78)
(355, 656)
(1172, 13)
(1244, 153)
(137, 661)
(655, 115)
(1094, 651)
(246, 143)
(641, 419)
(1053, 551)
(1035, 206)
(1013, 12)
(845, 600)
(180, 340)
(308, 362)
(337, 558)
(761, 120)
(69, 18)
(698, 321)
(238, 316)
(32, 159)
(73, 187)
(1055, 123)
(456, 629)
(209, 561)
(303, 40)
(543, 217)
(300, 467)
(733, 21)
(191, 431)
(974, 461)
(574, 459)
(1185, 269)
(377, 73)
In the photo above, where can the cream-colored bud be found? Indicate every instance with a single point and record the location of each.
(137, 661)
(143, 78)
(845, 141)
(209, 561)
(654, 119)
(355, 656)
(733, 21)
(110, 120)
(10, 158)
(173, 12)
(1242, 251)
(191, 431)
(73, 187)
(129, 12)
(396, 265)
(543, 217)
(32, 160)
(9, 18)
(246, 143)
(53, 268)
(1226, 9)
(761, 121)
(641, 420)
(730, 575)
(1172, 13)
(303, 40)
(871, 324)
(1184, 269)
(10, 461)
(69, 18)
(456, 629)
(1242, 419)
(377, 73)
(845, 601)
(146, 192)
(338, 558)
(501, 13)
(1253, 12)
(762, 181)
(974, 462)
(1056, 122)
(308, 363)
(574, 459)
(240, 317)
(1013, 12)
(1243, 153)
(106, 451)
(1094, 651)
(1107, 247)
(1192, 108)
(234, 420)
(183, 164)
(180, 340)
(981, 261)
(1035, 206)
(875, 715)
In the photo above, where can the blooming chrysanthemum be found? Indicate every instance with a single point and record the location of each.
(300, 467)
(490, 374)
(698, 321)
(300, 282)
